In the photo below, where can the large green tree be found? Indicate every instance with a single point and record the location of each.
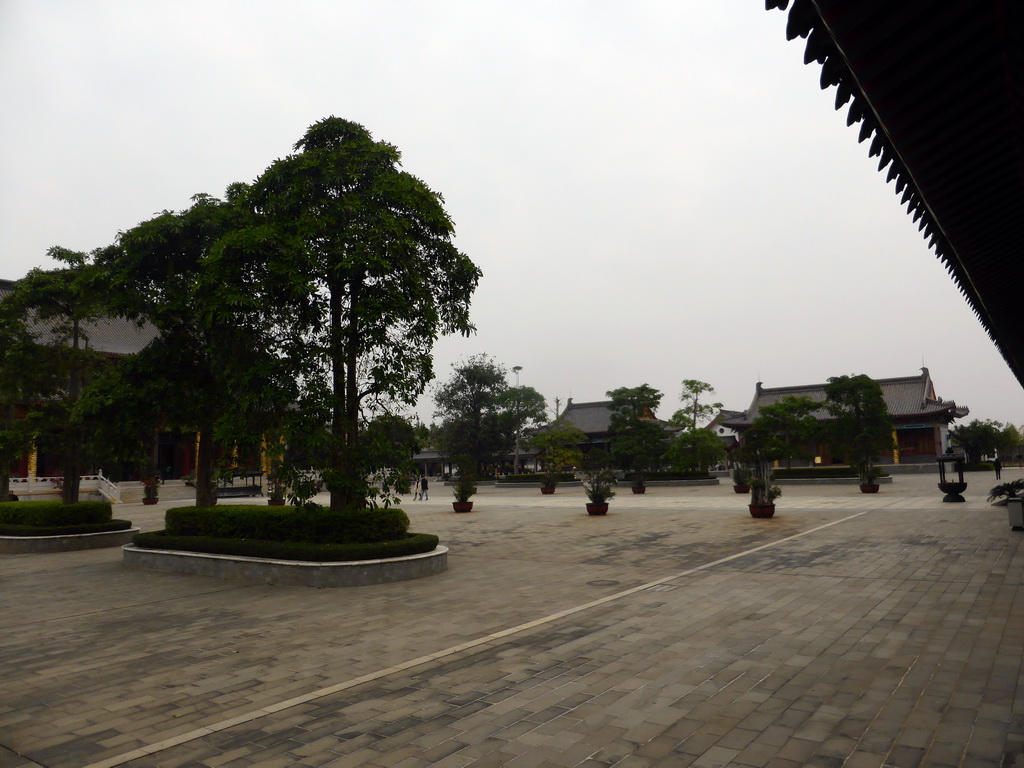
(469, 406)
(211, 368)
(522, 410)
(354, 259)
(28, 376)
(638, 441)
(559, 445)
(792, 421)
(61, 303)
(694, 449)
(695, 411)
(980, 438)
(860, 428)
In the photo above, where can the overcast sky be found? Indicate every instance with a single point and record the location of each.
(654, 190)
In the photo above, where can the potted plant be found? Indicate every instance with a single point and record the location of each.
(762, 447)
(151, 489)
(638, 441)
(598, 483)
(861, 428)
(559, 444)
(868, 473)
(464, 487)
(762, 492)
(741, 480)
(1001, 493)
(277, 490)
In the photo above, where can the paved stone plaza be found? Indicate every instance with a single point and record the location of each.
(850, 630)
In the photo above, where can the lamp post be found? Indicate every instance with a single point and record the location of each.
(952, 488)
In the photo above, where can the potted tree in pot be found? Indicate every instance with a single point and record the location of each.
(464, 486)
(598, 483)
(761, 448)
(638, 440)
(740, 480)
(559, 444)
(151, 488)
(860, 428)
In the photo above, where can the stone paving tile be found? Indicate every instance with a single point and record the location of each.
(891, 638)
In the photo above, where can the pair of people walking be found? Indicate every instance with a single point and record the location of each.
(420, 491)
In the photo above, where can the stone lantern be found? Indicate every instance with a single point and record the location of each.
(951, 475)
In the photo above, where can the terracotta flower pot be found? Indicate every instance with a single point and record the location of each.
(547, 491)
(869, 488)
(639, 489)
(597, 509)
(761, 510)
(149, 502)
(741, 489)
(462, 506)
(275, 502)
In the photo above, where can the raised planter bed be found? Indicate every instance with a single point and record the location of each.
(356, 573)
(22, 545)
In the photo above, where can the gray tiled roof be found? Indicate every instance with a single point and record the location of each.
(907, 398)
(110, 336)
(592, 418)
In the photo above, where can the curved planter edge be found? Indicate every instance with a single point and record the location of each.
(354, 573)
(27, 545)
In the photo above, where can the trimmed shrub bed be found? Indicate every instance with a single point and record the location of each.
(313, 524)
(655, 476)
(50, 514)
(409, 544)
(307, 533)
(811, 473)
(536, 477)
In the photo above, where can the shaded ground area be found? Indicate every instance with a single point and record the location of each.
(850, 630)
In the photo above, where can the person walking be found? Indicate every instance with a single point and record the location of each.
(997, 465)
(417, 489)
(423, 488)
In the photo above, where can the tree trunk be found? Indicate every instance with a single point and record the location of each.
(206, 492)
(5, 475)
(70, 456)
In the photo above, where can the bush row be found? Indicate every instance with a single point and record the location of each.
(804, 473)
(696, 474)
(410, 544)
(536, 477)
(64, 530)
(295, 524)
(54, 513)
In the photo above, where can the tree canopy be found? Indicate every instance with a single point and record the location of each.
(352, 260)
(638, 440)
(694, 411)
(469, 405)
(984, 438)
(861, 428)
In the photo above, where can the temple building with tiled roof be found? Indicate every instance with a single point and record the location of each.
(921, 418)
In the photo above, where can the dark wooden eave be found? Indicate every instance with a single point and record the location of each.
(938, 91)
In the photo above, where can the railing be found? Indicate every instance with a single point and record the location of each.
(23, 487)
(110, 490)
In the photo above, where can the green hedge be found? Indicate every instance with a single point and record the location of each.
(807, 473)
(296, 524)
(410, 544)
(978, 467)
(64, 530)
(536, 477)
(54, 513)
(696, 474)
